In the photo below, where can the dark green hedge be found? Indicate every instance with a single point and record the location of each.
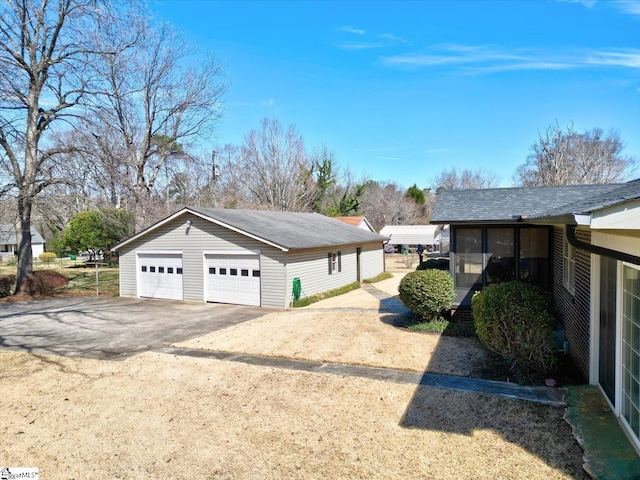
(516, 320)
(427, 292)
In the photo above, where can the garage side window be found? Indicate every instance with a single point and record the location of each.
(144, 268)
(335, 262)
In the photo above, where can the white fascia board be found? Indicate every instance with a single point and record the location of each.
(149, 229)
(624, 216)
(204, 217)
(583, 219)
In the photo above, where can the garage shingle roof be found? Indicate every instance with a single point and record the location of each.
(290, 230)
(511, 204)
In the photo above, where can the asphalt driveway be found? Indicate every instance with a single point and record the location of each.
(110, 328)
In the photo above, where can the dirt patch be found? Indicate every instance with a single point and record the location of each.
(162, 416)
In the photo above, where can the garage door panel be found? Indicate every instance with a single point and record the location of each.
(231, 279)
(160, 276)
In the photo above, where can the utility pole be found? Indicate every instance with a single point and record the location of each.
(215, 174)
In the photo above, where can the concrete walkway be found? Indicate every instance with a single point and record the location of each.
(544, 395)
(608, 454)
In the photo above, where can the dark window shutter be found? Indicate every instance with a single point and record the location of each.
(329, 256)
(339, 261)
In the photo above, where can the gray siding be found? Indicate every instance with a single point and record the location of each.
(312, 268)
(371, 261)
(202, 236)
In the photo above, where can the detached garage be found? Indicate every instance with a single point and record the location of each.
(245, 257)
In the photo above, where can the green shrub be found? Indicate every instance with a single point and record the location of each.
(6, 285)
(44, 282)
(47, 257)
(434, 263)
(427, 292)
(435, 326)
(515, 319)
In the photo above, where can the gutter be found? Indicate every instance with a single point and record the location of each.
(605, 252)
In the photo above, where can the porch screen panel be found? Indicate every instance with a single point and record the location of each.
(501, 255)
(535, 264)
(631, 350)
(468, 257)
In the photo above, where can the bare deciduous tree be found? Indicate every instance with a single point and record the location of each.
(569, 158)
(277, 168)
(453, 179)
(387, 204)
(47, 53)
(155, 105)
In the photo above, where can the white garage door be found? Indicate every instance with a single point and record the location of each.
(160, 275)
(232, 279)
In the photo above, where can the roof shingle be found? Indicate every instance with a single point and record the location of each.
(511, 204)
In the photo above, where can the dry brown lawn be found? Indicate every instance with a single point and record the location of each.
(329, 331)
(163, 416)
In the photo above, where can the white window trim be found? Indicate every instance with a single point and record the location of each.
(619, 333)
(336, 262)
(568, 264)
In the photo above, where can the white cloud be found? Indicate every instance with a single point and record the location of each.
(586, 3)
(489, 59)
(628, 58)
(631, 7)
(350, 29)
(391, 37)
(358, 46)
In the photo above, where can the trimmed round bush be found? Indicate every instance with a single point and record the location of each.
(434, 263)
(515, 319)
(427, 292)
(47, 256)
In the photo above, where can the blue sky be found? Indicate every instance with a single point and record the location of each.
(402, 90)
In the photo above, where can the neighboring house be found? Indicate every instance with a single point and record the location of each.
(412, 235)
(9, 243)
(359, 221)
(580, 242)
(245, 257)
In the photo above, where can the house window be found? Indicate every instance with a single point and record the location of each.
(468, 257)
(501, 255)
(631, 349)
(534, 263)
(335, 262)
(568, 265)
(488, 255)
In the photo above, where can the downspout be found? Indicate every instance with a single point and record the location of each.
(605, 252)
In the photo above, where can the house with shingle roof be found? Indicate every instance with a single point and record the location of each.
(579, 242)
(9, 242)
(246, 257)
(359, 221)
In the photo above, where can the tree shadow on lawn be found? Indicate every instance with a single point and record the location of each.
(539, 429)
